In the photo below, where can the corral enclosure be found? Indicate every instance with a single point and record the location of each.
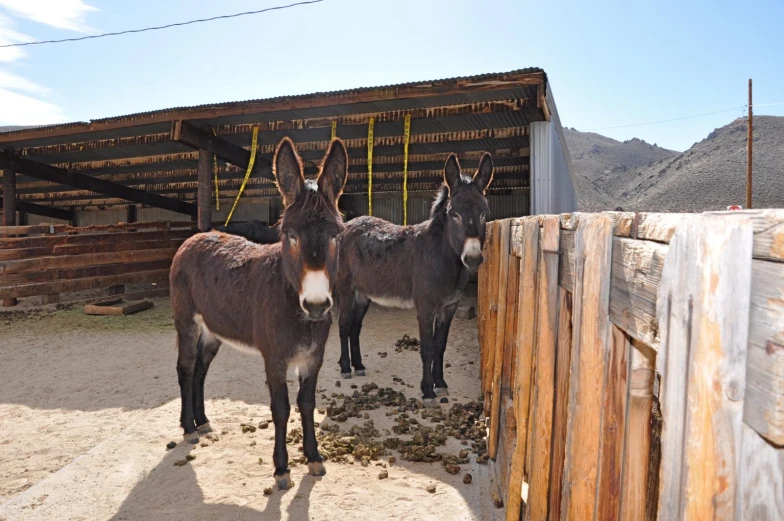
(632, 365)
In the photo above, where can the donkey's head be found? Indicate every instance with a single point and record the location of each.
(311, 224)
(467, 209)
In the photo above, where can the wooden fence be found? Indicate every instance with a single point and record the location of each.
(47, 260)
(633, 365)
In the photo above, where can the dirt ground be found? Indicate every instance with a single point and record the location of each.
(88, 404)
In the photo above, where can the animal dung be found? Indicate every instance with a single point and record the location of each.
(171, 445)
(263, 425)
(444, 400)
(246, 428)
(190, 457)
(383, 354)
(383, 474)
(408, 343)
(468, 478)
(268, 491)
(180, 463)
(431, 488)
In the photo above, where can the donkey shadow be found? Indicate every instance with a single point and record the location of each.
(173, 493)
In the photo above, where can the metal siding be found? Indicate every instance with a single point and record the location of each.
(159, 214)
(40, 219)
(514, 204)
(102, 217)
(246, 211)
(551, 179)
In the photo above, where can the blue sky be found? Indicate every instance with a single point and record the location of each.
(609, 63)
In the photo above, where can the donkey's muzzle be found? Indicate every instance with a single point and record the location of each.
(472, 254)
(317, 310)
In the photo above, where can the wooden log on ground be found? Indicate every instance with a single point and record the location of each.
(541, 416)
(706, 279)
(126, 308)
(526, 324)
(638, 433)
(561, 402)
(593, 256)
(504, 229)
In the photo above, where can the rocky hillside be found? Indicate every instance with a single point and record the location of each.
(709, 176)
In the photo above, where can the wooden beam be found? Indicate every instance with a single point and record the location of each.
(706, 279)
(204, 192)
(44, 210)
(9, 197)
(193, 136)
(58, 175)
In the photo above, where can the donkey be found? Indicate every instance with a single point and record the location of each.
(273, 299)
(424, 266)
(254, 230)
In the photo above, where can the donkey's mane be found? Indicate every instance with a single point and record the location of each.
(439, 205)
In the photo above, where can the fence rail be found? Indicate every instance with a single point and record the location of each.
(46, 260)
(633, 365)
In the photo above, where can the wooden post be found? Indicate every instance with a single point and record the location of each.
(539, 454)
(748, 163)
(563, 362)
(590, 346)
(52, 298)
(204, 191)
(492, 317)
(526, 323)
(505, 228)
(132, 215)
(9, 198)
(9, 211)
(703, 306)
(638, 433)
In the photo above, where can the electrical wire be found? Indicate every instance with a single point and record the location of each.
(179, 24)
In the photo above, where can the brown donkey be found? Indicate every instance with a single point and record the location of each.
(424, 266)
(272, 298)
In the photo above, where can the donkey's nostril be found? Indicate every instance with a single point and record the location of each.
(316, 310)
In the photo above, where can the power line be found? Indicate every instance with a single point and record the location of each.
(742, 107)
(222, 17)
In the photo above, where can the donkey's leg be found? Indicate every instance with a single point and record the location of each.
(279, 393)
(441, 333)
(346, 303)
(208, 348)
(426, 320)
(361, 305)
(187, 354)
(306, 400)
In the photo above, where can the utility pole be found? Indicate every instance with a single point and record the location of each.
(748, 165)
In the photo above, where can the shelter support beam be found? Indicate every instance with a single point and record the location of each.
(204, 190)
(9, 197)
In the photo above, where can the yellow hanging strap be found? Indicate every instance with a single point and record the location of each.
(370, 166)
(334, 129)
(215, 172)
(253, 146)
(407, 134)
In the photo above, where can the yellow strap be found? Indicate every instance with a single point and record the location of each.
(253, 147)
(215, 171)
(370, 166)
(407, 133)
(334, 129)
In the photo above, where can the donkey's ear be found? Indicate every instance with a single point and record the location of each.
(334, 170)
(484, 173)
(288, 171)
(452, 173)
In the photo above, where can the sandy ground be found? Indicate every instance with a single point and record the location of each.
(87, 405)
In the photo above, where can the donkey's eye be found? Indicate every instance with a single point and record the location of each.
(483, 216)
(292, 238)
(454, 215)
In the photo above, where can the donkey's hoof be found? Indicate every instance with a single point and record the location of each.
(316, 468)
(442, 391)
(206, 428)
(345, 375)
(191, 437)
(359, 372)
(284, 481)
(429, 402)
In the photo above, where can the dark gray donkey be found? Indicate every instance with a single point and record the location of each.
(273, 299)
(254, 230)
(424, 266)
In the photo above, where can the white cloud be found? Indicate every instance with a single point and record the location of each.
(14, 82)
(62, 14)
(20, 109)
(9, 36)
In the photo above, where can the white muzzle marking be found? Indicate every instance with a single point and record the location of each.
(315, 288)
(471, 248)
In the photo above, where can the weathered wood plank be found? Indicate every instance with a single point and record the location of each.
(492, 315)
(504, 230)
(95, 238)
(768, 232)
(636, 273)
(764, 399)
(526, 330)
(706, 279)
(566, 267)
(638, 433)
(593, 255)
(545, 356)
(41, 264)
(507, 424)
(22, 280)
(561, 402)
(50, 229)
(64, 286)
(125, 309)
(608, 494)
(763, 478)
